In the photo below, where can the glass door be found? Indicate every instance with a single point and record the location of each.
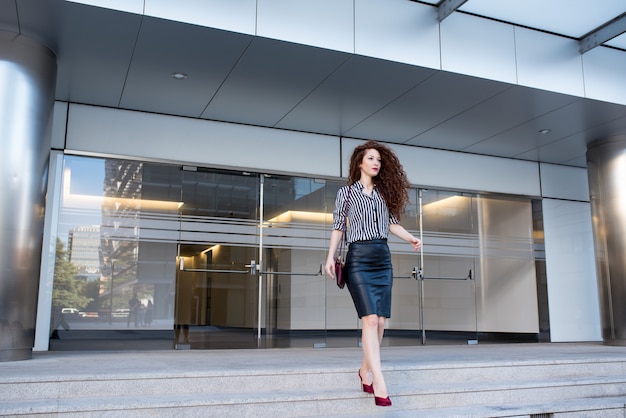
(251, 256)
(447, 285)
(433, 299)
(296, 223)
(217, 291)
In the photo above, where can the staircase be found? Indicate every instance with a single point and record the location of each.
(531, 380)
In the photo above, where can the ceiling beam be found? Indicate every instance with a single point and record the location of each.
(447, 7)
(603, 33)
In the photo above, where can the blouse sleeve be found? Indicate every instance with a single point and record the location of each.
(393, 219)
(339, 214)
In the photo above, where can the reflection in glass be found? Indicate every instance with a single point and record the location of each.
(216, 289)
(205, 258)
(117, 235)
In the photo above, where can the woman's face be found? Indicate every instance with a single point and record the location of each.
(370, 165)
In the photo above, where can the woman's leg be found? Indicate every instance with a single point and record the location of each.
(381, 329)
(370, 339)
(365, 370)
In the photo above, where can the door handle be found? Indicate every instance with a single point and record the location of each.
(294, 273)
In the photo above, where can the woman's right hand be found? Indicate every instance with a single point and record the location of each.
(330, 268)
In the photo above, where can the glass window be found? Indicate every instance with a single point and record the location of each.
(158, 256)
(116, 247)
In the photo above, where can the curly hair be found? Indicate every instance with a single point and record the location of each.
(391, 181)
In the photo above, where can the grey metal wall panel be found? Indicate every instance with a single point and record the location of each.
(191, 141)
(562, 182)
(570, 268)
(478, 47)
(59, 121)
(459, 171)
(506, 293)
(321, 23)
(131, 6)
(548, 62)
(236, 16)
(604, 75)
(397, 30)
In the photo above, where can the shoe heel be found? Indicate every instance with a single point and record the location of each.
(366, 388)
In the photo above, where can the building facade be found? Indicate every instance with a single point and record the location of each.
(213, 201)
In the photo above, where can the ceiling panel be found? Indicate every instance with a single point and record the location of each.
(571, 150)
(271, 78)
(579, 117)
(205, 55)
(359, 88)
(526, 137)
(562, 151)
(617, 126)
(95, 47)
(8, 16)
(43, 21)
(512, 107)
(437, 99)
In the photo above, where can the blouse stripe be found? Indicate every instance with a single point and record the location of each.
(368, 216)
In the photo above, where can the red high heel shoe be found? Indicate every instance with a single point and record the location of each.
(382, 401)
(366, 388)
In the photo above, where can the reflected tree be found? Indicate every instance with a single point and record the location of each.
(68, 292)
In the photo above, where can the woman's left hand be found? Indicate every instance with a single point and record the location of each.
(416, 243)
(399, 231)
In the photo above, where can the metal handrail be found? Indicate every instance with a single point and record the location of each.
(284, 273)
(468, 277)
(417, 275)
(216, 271)
(291, 273)
(182, 268)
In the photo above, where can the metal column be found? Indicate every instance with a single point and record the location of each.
(27, 84)
(606, 168)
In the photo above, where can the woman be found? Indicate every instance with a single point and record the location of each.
(376, 195)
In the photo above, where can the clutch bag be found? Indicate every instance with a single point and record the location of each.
(339, 272)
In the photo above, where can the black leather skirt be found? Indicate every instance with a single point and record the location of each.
(370, 277)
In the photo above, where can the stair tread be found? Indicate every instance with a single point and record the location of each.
(508, 410)
(238, 397)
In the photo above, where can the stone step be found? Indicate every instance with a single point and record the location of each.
(605, 407)
(420, 378)
(309, 401)
(520, 380)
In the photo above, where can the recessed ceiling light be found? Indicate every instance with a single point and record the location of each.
(178, 76)
(545, 131)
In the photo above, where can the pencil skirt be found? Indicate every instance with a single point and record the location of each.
(370, 277)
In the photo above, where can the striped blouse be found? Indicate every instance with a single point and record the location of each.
(368, 216)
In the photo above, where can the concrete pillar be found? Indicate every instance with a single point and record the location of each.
(27, 84)
(606, 165)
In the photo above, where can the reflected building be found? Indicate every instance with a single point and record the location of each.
(84, 251)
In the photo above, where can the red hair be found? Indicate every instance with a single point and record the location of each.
(391, 181)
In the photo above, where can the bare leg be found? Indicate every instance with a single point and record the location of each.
(365, 367)
(381, 329)
(371, 353)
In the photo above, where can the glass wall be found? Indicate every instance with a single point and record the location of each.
(116, 250)
(162, 256)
